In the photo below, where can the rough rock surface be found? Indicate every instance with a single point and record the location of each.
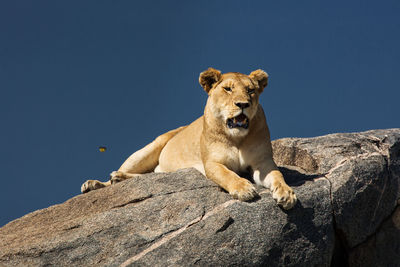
(348, 189)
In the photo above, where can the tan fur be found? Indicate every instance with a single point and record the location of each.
(210, 146)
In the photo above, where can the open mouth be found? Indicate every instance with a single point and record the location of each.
(240, 121)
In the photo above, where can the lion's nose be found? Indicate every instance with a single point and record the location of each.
(242, 105)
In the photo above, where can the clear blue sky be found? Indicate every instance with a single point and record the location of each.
(75, 75)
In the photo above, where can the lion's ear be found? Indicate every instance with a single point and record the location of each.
(208, 78)
(261, 77)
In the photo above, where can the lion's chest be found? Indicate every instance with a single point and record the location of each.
(244, 161)
(238, 160)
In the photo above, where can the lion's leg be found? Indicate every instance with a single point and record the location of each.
(115, 177)
(142, 161)
(90, 185)
(238, 188)
(146, 159)
(118, 176)
(270, 177)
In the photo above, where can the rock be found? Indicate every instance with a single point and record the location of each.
(347, 187)
(253, 234)
(363, 169)
(382, 248)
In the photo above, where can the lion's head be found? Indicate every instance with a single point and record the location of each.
(233, 97)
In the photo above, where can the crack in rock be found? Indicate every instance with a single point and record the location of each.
(171, 235)
(227, 223)
(341, 246)
(72, 227)
(136, 200)
(140, 199)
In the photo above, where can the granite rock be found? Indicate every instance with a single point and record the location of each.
(347, 215)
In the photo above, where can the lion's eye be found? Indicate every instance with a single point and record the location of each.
(228, 89)
(250, 91)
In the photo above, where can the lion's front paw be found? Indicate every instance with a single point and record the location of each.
(91, 185)
(243, 190)
(284, 196)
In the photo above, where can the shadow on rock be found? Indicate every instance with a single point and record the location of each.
(295, 177)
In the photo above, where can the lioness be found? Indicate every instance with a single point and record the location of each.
(232, 136)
